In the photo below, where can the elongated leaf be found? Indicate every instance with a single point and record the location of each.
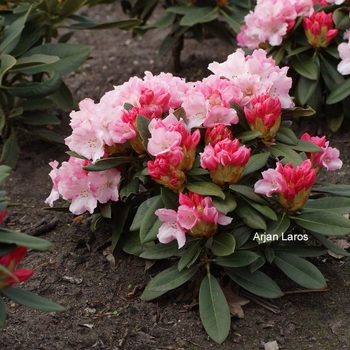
(6, 63)
(132, 244)
(305, 66)
(196, 15)
(168, 279)
(287, 154)
(10, 151)
(225, 205)
(9, 237)
(163, 22)
(71, 55)
(47, 135)
(255, 282)
(242, 234)
(31, 300)
(305, 146)
(262, 209)
(141, 212)
(305, 89)
(274, 230)
(339, 190)
(301, 250)
(300, 270)
(37, 89)
(287, 136)
(70, 6)
(41, 118)
(170, 198)
(330, 73)
(160, 251)
(142, 127)
(256, 162)
(213, 309)
(248, 192)
(190, 254)
(63, 98)
(109, 163)
(237, 259)
(2, 313)
(206, 189)
(223, 244)
(330, 245)
(339, 93)
(337, 205)
(250, 216)
(247, 136)
(123, 24)
(324, 222)
(119, 216)
(150, 223)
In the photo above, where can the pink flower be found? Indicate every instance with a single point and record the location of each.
(328, 157)
(10, 261)
(319, 29)
(292, 185)
(344, 54)
(170, 229)
(217, 133)
(225, 161)
(264, 116)
(198, 215)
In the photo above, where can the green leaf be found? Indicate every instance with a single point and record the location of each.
(262, 209)
(30, 300)
(299, 270)
(142, 127)
(242, 235)
(129, 188)
(150, 223)
(37, 89)
(11, 35)
(195, 15)
(119, 215)
(2, 313)
(330, 245)
(305, 89)
(63, 98)
(275, 229)
(4, 173)
(6, 63)
(162, 22)
(141, 212)
(41, 118)
(341, 18)
(71, 55)
(132, 244)
(47, 135)
(123, 24)
(285, 154)
(256, 162)
(206, 189)
(168, 279)
(335, 121)
(287, 136)
(339, 93)
(248, 192)
(297, 112)
(305, 146)
(305, 66)
(329, 72)
(255, 282)
(35, 104)
(192, 250)
(246, 136)
(302, 250)
(109, 163)
(237, 259)
(223, 244)
(225, 205)
(250, 216)
(160, 251)
(337, 205)
(33, 64)
(339, 190)
(324, 222)
(10, 151)
(68, 7)
(213, 309)
(21, 239)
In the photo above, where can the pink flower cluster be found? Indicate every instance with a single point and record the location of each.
(292, 185)
(271, 20)
(196, 215)
(82, 187)
(254, 75)
(174, 149)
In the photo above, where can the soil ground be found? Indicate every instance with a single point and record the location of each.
(101, 293)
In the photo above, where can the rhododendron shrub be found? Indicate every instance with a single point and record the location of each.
(210, 174)
(311, 37)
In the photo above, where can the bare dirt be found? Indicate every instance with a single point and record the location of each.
(100, 291)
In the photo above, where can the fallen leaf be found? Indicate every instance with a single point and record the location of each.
(235, 302)
(341, 243)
